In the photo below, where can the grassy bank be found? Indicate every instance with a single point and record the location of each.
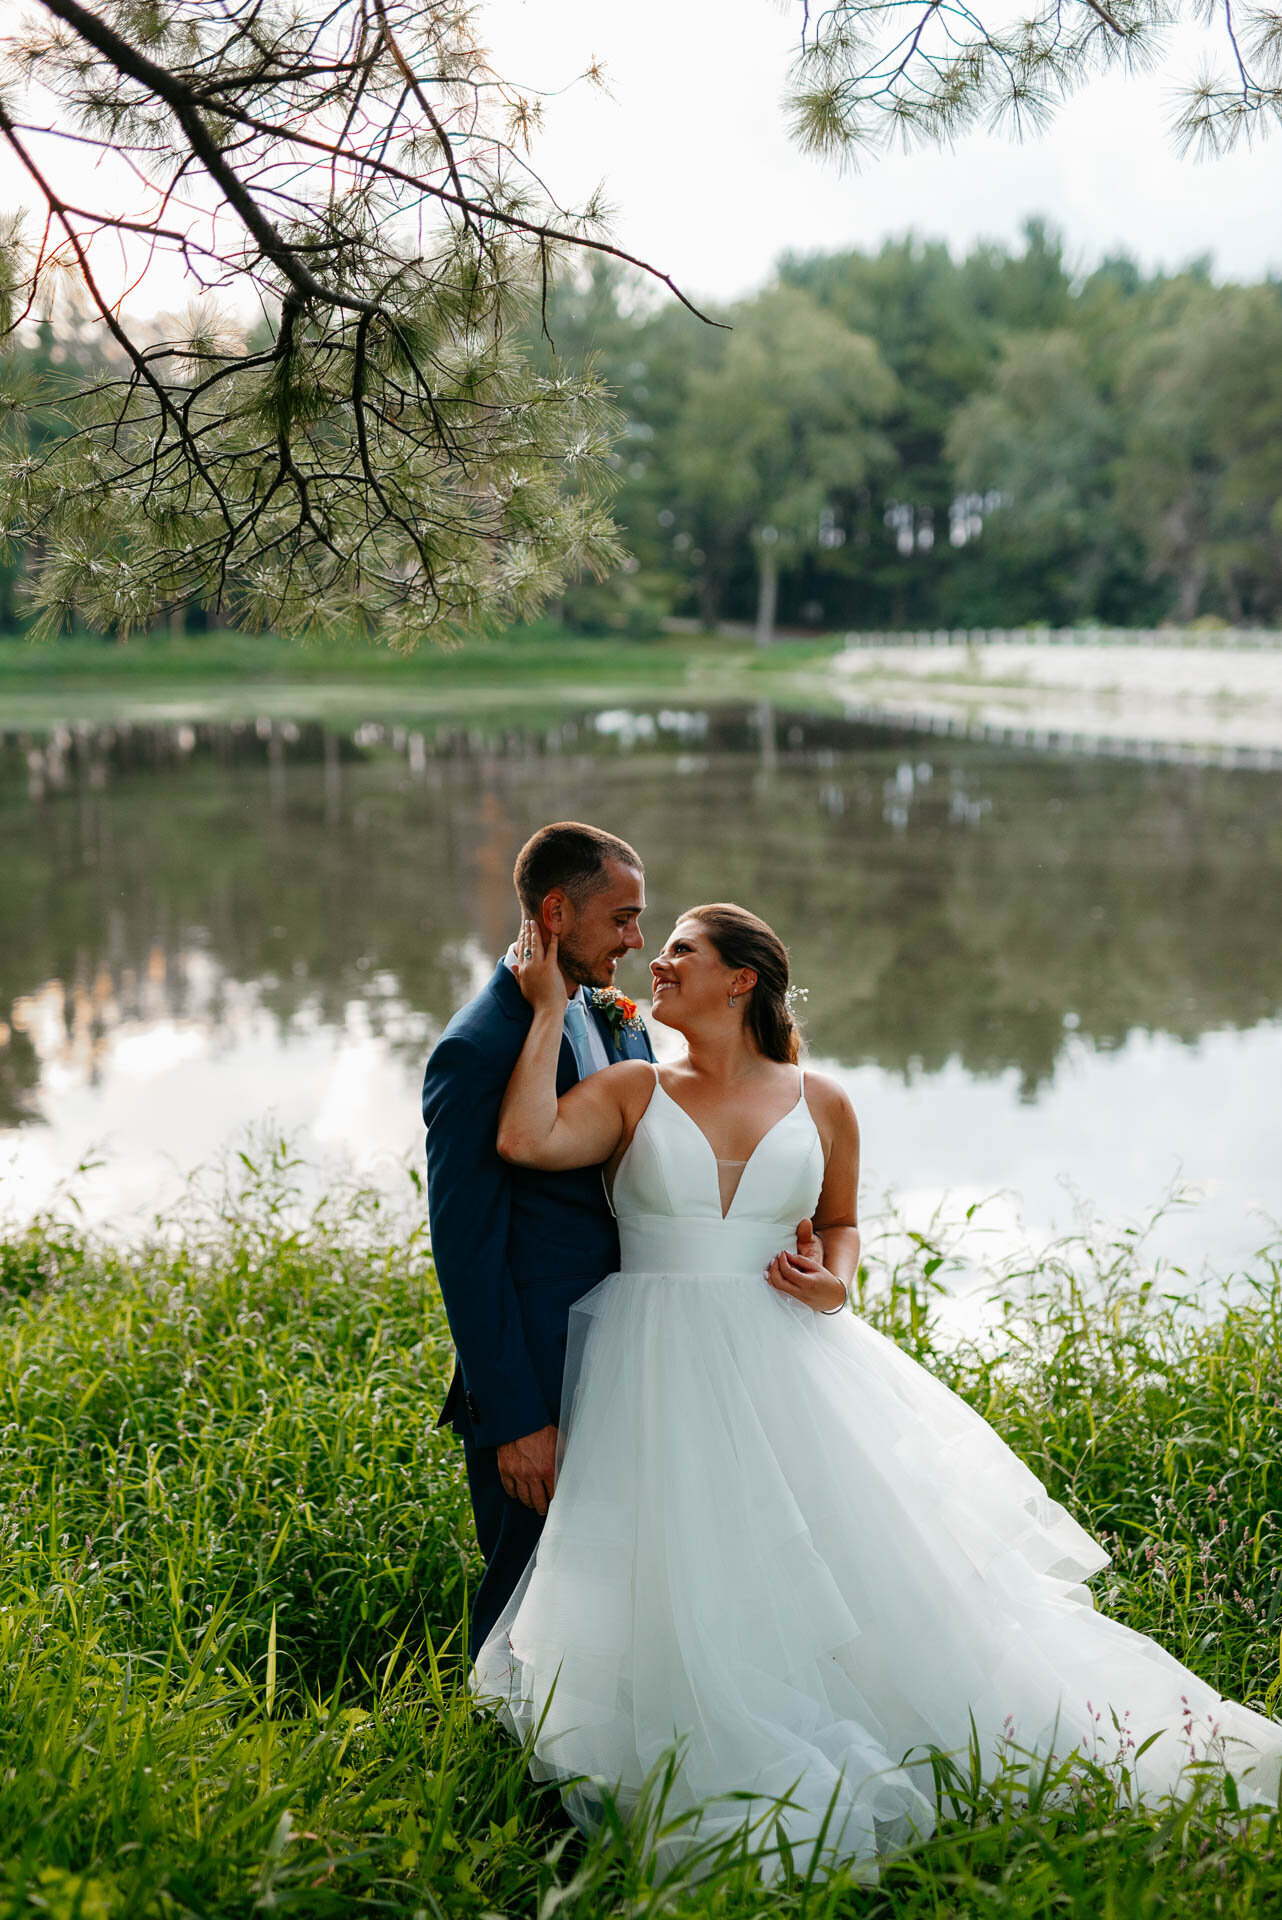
(78, 659)
(526, 656)
(235, 1556)
(540, 672)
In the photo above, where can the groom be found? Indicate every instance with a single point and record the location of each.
(515, 1247)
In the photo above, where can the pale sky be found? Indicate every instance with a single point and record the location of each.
(693, 152)
(695, 156)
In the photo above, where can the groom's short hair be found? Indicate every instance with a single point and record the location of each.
(571, 856)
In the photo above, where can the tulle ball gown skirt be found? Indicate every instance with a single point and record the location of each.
(779, 1543)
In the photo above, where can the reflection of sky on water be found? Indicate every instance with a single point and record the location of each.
(156, 1097)
(1117, 1129)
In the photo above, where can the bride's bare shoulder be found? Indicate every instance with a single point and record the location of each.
(829, 1101)
(632, 1082)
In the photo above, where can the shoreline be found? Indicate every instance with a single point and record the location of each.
(1213, 705)
(1141, 697)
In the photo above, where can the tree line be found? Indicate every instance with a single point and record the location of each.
(901, 438)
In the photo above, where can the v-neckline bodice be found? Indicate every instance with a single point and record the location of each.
(726, 1212)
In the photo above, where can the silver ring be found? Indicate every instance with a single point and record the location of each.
(527, 953)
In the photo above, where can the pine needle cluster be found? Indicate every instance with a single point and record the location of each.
(875, 73)
(369, 450)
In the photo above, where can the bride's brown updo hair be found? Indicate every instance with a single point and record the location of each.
(742, 940)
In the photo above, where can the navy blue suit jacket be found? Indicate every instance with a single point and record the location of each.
(514, 1247)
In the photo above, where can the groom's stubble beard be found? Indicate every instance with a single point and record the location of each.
(582, 970)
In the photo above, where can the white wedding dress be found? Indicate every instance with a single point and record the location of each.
(782, 1544)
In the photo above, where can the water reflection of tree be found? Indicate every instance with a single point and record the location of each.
(940, 900)
(19, 1077)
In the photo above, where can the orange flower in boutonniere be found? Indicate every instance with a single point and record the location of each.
(620, 1013)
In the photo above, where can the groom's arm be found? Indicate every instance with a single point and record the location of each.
(469, 1205)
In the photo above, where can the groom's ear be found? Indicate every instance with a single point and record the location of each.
(553, 911)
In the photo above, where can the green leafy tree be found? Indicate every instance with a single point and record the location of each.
(940, 325)
(1201, 476)
(786, 422)
(1041, 445)
(1046, 462)
(605, 317)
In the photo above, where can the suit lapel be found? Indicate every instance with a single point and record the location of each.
(638, 1046)
(603, 1028)
(629, 1046)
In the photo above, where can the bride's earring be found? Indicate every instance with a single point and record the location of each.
(733, 998)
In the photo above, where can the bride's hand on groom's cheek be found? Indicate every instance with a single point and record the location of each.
(537, 972)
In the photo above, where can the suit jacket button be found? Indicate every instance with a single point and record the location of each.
(469, 1401)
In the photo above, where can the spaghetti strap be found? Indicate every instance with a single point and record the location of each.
(605, 1184)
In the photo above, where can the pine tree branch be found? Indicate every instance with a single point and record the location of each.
(183, 103)
(107, 313)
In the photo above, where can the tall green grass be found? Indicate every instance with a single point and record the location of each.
(234, 1556)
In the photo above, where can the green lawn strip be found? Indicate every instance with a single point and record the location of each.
(522, 657)
(234, 1555)
(542, 673)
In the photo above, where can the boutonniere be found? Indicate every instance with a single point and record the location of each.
(620, 1013)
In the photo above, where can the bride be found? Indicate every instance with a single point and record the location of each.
(776, 1543)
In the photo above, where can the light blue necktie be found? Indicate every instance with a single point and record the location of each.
(576, 1032)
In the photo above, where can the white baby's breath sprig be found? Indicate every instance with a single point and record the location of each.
(794, 995)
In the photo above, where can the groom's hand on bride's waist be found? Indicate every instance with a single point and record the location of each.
(527, 1468)
(805, 1276)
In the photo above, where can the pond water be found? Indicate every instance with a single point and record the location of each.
(1042, 977)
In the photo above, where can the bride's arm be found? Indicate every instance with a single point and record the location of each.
(836, 1216)
(535, 1128)
(820, 1273)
